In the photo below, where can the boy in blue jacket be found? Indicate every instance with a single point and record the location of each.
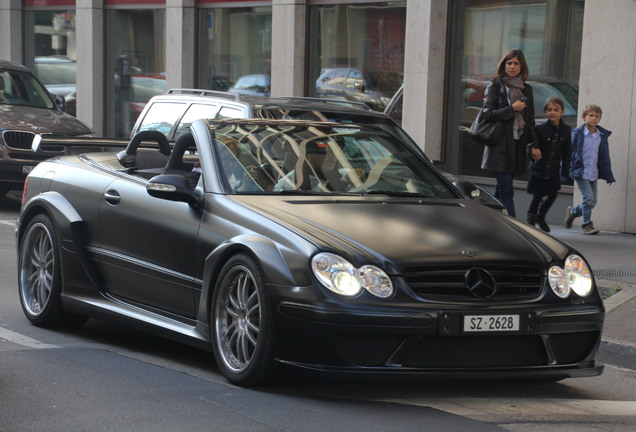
(590, 162)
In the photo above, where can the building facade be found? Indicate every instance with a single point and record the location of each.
(108, 57)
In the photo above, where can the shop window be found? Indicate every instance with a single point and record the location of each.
(356, 51)
(51, 53)
(135, 65)
(548, 32)
(235, 48)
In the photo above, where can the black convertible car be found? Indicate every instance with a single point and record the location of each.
(321, 246)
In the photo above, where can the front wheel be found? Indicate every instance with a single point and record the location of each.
(242, 333)
(39, 277)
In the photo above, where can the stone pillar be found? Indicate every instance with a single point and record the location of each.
(424, 72)
(608, 79)
(288, 47)
(180, 43)
(90, 63)
(11, 30)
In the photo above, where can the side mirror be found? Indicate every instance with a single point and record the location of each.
(173, 187)
(468, 188)
(59, 101)
(480, 195)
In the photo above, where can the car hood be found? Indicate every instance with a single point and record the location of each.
(40, 120)
(398, 233)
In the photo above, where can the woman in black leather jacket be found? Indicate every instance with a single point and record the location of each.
(509, 99)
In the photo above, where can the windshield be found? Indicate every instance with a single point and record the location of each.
(21, 88)
(323, 158)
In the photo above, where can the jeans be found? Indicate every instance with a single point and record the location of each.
(504, 191)
(589, 192)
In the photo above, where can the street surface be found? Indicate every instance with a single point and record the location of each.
(102, 377)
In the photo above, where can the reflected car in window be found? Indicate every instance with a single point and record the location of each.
(371, 88)
(252, 85)
(57, 73)
(310, 245)
(28, 112)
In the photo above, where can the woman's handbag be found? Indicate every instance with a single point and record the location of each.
(487, 133)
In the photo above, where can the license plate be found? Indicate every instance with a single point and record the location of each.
(26, 169)
(491, 323)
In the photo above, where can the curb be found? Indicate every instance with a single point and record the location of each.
(627, 292)
(617, 354)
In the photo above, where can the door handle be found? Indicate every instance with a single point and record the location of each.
(112, 197)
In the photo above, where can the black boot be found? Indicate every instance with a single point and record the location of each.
(541, 219)
(532, 218)
(542, 223)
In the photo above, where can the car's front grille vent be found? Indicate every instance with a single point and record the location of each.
(18, 140)
(448, 283)
(467, 351)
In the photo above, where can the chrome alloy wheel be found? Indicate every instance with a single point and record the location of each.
(37, 269)
(238, 319)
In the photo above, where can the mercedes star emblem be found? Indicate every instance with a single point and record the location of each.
(480, 283)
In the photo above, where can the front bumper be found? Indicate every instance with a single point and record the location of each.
(14, 172)
(551, 342)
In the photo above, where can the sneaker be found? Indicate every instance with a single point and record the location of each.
(590, 230)
(569, 218)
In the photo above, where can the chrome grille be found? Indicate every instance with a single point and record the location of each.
(448, 283)
(18, 140)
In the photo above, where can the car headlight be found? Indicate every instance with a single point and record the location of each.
(574, 276)
(341, 277)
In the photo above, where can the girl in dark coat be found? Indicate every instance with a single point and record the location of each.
(550, 161)
(509, 99)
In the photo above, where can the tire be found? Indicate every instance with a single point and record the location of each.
(39, 276)
(242, 331)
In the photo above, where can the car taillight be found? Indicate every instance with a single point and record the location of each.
(24, 191)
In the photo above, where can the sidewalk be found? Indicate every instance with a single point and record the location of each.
(612, 257)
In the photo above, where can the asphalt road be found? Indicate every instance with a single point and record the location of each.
(102, 377)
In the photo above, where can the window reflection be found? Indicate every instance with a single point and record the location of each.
(51, 52)
(357, 51)
(135, 65)
(549, 33)
(235, 49)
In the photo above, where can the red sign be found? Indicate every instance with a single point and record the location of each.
(135, 2)
(226, 1)
(36, 3)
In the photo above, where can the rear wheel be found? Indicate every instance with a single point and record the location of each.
(39, 278)
(242, 324)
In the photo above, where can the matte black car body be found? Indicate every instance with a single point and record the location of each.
(28, 110)
(140, 247)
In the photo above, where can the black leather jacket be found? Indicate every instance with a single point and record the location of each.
(556, 150)
(507, 156)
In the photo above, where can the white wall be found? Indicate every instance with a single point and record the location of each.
(288, 47)
(180, 38)
(608, 79)
(90, 63)
(424, 67)
(11, 30)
